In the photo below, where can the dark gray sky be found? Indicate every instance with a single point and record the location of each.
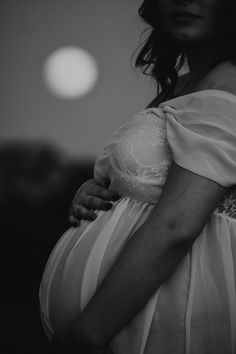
(30, 31)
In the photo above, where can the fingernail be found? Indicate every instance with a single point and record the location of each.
(93, 216)
(75, 224)
(108, 206)
(116, 197)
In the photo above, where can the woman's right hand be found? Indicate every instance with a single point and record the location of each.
(92, 195)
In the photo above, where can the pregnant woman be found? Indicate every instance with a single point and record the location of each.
(151, 267)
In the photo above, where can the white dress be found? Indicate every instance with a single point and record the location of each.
(194, 312)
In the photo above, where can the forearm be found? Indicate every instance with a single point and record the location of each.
(147, 260)
(152, 254)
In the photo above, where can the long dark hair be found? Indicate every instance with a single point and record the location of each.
(162, 58)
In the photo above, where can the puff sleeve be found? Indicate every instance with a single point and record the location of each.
(201, 132)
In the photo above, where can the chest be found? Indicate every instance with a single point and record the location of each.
(138, 157)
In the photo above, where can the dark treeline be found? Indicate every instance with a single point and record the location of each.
(37, 185)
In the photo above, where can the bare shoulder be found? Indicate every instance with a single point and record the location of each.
(222, 77)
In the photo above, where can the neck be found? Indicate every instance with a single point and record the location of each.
(201, 59)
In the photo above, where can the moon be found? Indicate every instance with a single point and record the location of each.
(70, 72)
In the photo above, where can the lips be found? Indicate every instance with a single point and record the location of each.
(184, 14)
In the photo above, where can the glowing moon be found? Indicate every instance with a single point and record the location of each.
(70, 72)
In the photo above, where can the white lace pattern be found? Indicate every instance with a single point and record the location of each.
(138, 157)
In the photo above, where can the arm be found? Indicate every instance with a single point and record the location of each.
(152, 254)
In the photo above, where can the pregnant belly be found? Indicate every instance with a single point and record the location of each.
(81, 259)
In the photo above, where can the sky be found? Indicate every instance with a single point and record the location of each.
(31, 30)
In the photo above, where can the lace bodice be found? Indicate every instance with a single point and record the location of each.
(195, 134)
(138, 157)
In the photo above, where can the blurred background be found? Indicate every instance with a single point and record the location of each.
(67, 82)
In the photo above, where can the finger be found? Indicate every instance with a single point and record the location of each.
(103, 182)
(73, 221)
(82, 213)
(95, 188)
(102, 193)
(92, 202)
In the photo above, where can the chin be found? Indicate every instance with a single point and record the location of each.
(187, 37)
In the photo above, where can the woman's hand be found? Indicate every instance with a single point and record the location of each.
(92, 195)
